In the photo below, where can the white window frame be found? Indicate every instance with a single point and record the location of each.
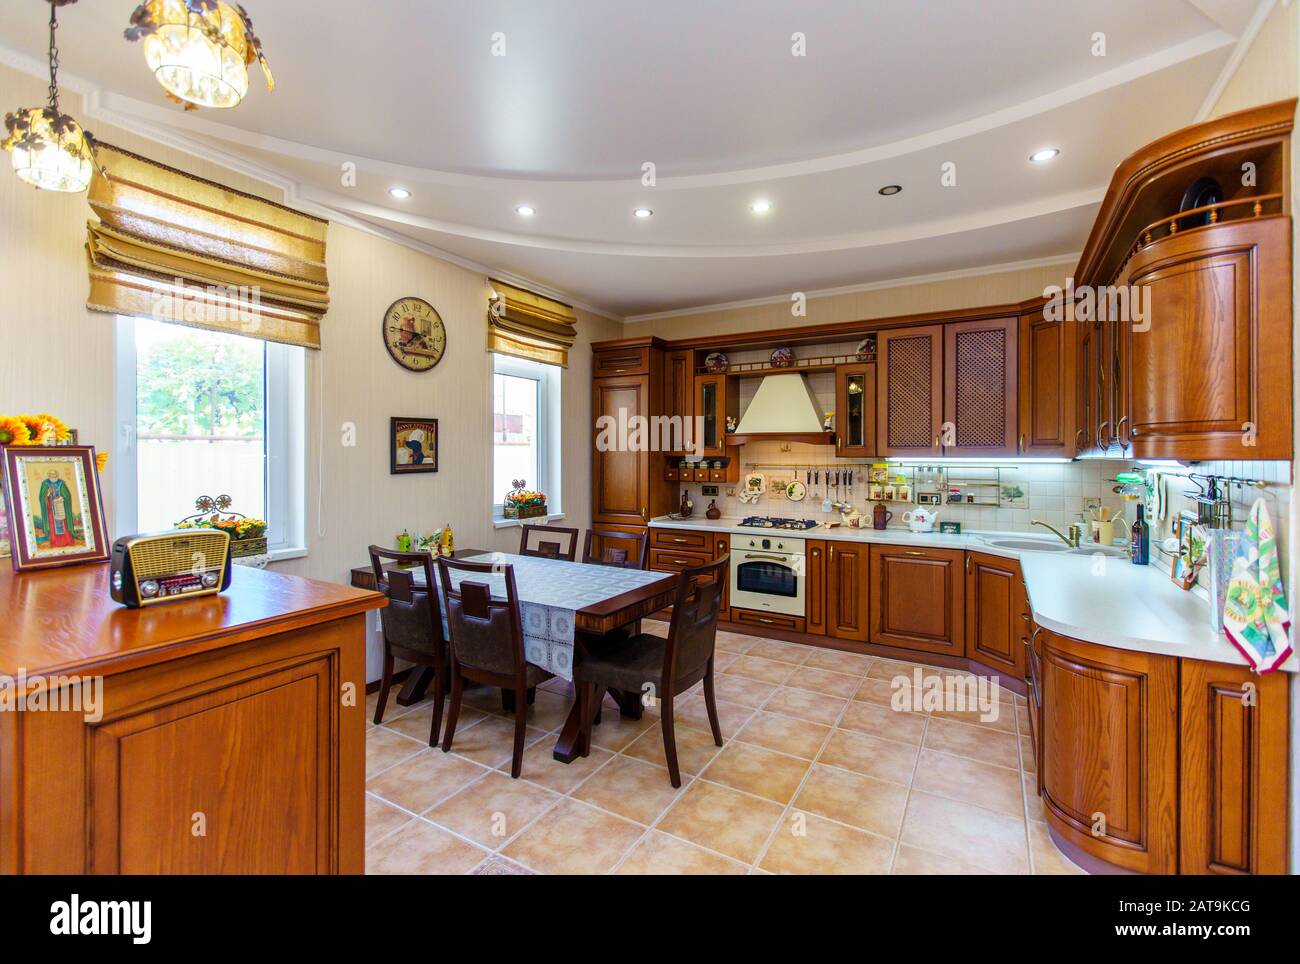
(286, 404)
(548, 432)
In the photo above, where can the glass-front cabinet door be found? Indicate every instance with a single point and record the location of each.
(855, 410)
(713, 403)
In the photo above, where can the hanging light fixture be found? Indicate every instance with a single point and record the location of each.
(47, 147)
(199, 50)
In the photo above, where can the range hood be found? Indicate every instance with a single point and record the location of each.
(784, 408)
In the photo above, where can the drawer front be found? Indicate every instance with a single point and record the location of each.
(679, 539)
(794, 624)
(675, 560)
(671, 473)
(621, 361)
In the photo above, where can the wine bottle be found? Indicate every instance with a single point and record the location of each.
(1140, 543)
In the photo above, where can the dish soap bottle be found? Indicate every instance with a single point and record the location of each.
(1140, 544)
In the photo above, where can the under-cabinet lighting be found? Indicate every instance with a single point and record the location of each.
(968, 460)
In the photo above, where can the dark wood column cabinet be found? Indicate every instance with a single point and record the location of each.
(1049, 387)
(979, 387)
(1233, 770)
(909, 390)
(995, 628)
(815, 594)
(847, 590)
(916, 598)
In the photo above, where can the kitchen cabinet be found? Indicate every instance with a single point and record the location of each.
(815, 595)
(994, 613)
(855, 410)
(721, 548)
(1048, 387)
(679, 391)
(847, 577)
(909, 391)
(1232, 770)
(1109, 732)
(715, 399)
(979, 387)
(916, 599)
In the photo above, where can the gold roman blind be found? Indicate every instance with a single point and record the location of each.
(175, 247)
(528, 325)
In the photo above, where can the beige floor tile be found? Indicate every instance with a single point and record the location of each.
(1027, 760)
(764, 670)
(870, 755)
(823, 681)
(961, 778)
(692, 712)
(883, 691)
(419, 782)
(540, 766)
(1033, 802)
(806, 705)
(615, 732)
(421, 848)
(827, 848)
(972, 834)
(630, 788)
(778, 649)
(733, 642)
(498, 866)
(384, 748)
(382, 818)
(887, 669)
(549, 710)
(755, 770)
(573, 838)
(493, 810)
(916, 862)
(784, 734)
(486, 699)
(838, 661)
(491, 741)
(860, 801)
(879, 719)
(416, 723)
(739, 689)
(695, 748)
(660, 854)
(977, 742)
(721, 660)
(1047, 859)
(722, 820)
(1001, 716)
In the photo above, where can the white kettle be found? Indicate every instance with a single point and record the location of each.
(921, 519)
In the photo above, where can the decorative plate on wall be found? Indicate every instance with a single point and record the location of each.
(414, 334)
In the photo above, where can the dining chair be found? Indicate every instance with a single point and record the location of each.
(487, 643)
(670, 665)
(412, 625)
(547, 549)
(632, 555)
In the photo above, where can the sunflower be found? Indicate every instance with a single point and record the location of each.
(46, 429)
(13, 431)
(101, 460)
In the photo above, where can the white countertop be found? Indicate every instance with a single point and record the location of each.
(1097, 599)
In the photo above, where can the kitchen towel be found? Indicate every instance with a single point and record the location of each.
(1255, 614)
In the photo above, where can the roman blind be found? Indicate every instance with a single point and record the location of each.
(178, 248)
(529, 325)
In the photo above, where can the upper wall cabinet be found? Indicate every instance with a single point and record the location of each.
(715, 399)
(909, 391)
(979, 387)
(1049, 387)
(679, 387)
(855, 410)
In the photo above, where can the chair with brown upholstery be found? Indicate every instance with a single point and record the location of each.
(548, 549)
(487, 642)
(412, 624)
(631, 554)
(671, 666)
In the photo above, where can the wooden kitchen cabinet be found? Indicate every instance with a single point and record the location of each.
(979, 387)
(855, 411)
(1049, 390)
(620, 478)
(715, 399)
(1109, 757)
(815, 595)
(679, 390)
(847, 577)
(1233, 770)
(917, 599)
(721, 548)
(909, 390)
(995, 627)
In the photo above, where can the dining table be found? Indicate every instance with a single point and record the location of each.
(567, 610)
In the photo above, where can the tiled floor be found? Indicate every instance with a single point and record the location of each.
(818, 774)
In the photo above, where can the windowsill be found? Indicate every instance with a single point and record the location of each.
(499, 523)
(291, 552)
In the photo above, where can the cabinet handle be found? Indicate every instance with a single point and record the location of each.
(968, 563)
(1078, 438)
(1101, 435)
(678, 540)
(1022, 441)
(762, 620)
(912, 552)
(816, 553)
(832, 552)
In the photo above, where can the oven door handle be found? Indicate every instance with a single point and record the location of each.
(759, 555)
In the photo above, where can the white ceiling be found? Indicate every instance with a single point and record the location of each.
(588, 91)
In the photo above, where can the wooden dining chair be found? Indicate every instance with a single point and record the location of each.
(632, 554)
(670, 665)
(412, 625)
(487, 643)
(548, 549)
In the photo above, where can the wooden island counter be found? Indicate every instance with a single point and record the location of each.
(217, 735)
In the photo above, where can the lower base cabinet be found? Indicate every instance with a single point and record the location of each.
(995, 613)
(916, 599)
(815, 586)
(847, 593)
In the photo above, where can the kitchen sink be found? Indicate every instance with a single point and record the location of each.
(1112, 552)
(1033, 545)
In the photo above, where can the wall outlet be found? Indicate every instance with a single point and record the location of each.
(709, 490)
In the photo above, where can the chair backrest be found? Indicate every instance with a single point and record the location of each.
(694, 628)
(486, 630)
(412, 620)
(631, 555)
(548, 549)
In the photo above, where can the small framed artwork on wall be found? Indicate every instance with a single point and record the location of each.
(413, 445)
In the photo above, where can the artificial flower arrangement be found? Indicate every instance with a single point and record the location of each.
(42, 429)
(522, 503)
(247, 535)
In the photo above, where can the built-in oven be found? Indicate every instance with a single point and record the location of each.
(767, 573)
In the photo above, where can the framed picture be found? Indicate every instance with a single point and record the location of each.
(1190, 556)
(54, 506)
(4, 521)
(413, 446)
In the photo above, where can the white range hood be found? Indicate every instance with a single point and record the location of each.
(784, 407)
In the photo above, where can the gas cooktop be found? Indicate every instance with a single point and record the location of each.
(771, 522)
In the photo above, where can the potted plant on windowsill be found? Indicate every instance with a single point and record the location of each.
(247, 536)
(522, 503)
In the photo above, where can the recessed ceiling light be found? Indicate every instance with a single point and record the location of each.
(643, 212)
(525, 210)
(400, 193)
(889, 190)
(761, 206)
(1044, 154)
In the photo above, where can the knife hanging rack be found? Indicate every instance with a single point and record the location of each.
(1232, 480)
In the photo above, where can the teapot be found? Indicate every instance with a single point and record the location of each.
(921, 519)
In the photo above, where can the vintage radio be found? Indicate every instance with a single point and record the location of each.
(162, 566)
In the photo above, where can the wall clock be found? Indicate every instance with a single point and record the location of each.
(414, 334)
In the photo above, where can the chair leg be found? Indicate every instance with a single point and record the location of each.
(711, 705)
(670, 741)
(384, 687)
(521, 724)
(439, 696)
(457, 688)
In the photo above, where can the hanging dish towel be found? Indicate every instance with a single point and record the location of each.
(1255, 614)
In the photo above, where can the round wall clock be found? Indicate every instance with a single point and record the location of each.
(414, 334)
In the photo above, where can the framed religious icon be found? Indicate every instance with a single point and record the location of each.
(55, 509)
(413, 445)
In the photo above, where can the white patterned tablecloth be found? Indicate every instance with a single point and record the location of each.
(551, 591)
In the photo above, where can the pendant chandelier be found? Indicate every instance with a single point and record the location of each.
(199, 50)
(49, 150)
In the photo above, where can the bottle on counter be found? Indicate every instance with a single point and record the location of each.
(1140, 543)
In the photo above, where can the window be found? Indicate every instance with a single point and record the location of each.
(525, 429)
(207, 413)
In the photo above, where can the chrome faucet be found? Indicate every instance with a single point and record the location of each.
(1072, 540)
